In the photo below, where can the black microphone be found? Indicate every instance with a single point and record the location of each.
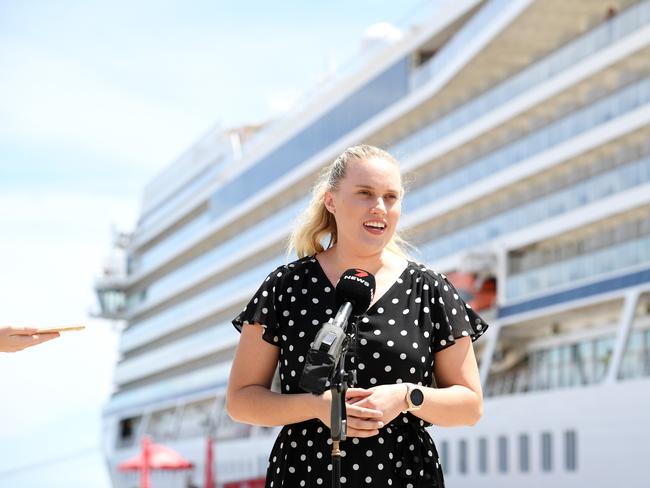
(354, 293)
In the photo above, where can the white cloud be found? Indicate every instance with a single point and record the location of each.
(379, 34)
(383, 30)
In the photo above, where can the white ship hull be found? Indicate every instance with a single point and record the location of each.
(611, 425)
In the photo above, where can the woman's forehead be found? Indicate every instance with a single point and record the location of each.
(375, 172)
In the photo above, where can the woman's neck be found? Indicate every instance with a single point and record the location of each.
(341, 258)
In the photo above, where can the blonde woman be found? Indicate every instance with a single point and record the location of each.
(416, 328)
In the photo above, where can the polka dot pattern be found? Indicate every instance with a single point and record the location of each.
(420, 314)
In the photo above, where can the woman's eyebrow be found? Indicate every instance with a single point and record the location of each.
(372, 188)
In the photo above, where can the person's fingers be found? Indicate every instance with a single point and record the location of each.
(20, 342)
(357, 392)
(363, 412)
(22, 331)
(45, 337)
(362, 424)
(23, 341)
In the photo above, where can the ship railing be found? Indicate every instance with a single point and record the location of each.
(632, 19)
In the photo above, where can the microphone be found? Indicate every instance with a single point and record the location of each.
(354, 292)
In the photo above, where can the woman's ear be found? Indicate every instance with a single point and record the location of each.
(328, 200)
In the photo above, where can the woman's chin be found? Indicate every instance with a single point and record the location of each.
(375, 241)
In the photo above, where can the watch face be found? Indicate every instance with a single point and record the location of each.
(417, 397)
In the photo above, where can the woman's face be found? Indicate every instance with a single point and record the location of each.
(367, 204)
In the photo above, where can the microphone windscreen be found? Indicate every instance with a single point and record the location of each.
(356, 286)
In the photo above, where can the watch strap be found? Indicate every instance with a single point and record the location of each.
(409, 401)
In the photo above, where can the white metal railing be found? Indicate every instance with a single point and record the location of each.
(632, 19)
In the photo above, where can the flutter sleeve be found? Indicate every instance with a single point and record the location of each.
(452, 317)
(263, 307)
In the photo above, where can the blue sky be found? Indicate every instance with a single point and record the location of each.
(95, 98)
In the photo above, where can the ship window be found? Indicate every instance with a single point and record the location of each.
(444, 456)
(524, 453)
(163, 423)
(565, 365)
(126, 429)
(423, 56)
(482, 455)
(646, 354)
(604, 347)
(570, 450)
(546, 451)
(462, 456)
(503, 454)
(555, 367)
(581, 363)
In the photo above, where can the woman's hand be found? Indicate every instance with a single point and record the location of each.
(14, 339)
(362, 421)
(389, 399)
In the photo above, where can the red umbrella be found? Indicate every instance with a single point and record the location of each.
(159, 457)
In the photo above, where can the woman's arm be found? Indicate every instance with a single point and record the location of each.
(249, 398)
(458, 400)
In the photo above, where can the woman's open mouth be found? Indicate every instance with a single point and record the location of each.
(376, 227)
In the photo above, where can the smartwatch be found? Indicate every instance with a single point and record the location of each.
(414, 397)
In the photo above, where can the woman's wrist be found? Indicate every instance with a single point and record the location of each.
(318, 404)
(404, 392)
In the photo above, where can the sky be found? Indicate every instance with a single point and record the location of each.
(96, 98)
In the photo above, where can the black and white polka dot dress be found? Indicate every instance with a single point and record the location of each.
(398, 336)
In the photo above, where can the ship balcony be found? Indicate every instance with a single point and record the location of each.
(112, 302)
(167, 284)
(573, 346)
(628, 178)
(199, 381)
(621, 258)
(217, 340)
(589, 53)
(479, 165)
(197, 308)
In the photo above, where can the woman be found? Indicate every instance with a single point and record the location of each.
(416, 327)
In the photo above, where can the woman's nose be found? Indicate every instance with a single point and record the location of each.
(380, 205)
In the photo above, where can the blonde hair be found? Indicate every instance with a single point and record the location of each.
(316, 222)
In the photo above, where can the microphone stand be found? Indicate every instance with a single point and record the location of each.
(338, 417)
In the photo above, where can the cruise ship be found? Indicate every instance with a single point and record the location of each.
(523, 132)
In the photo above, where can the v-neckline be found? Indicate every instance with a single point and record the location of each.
(381, 298)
